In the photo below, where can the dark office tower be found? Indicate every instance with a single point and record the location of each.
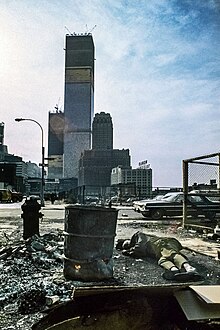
(2, 126)
(78, 100)
(3, 148)
(55, 145)
(95, 166)
(102, 131)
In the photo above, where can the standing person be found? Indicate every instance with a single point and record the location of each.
(166, 250)
(52, 198)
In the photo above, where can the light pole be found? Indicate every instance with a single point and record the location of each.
(42, 148)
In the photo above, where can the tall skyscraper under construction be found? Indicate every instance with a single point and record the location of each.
(78, 100)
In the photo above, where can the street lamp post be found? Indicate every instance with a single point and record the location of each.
(42, 149)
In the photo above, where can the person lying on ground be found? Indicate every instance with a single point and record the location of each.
(166, 250)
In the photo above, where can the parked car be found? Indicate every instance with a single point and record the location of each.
(16, 196)
(171, 204)
(139, 205)
(7, 195)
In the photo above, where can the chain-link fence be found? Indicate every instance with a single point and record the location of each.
(201, 188)
(122, 194)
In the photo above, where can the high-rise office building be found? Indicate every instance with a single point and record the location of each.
(141, 177)
(78, 100)
(95, 166)
(55, 144)
(102, 131)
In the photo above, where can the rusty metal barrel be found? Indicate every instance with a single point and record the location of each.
(89, 235)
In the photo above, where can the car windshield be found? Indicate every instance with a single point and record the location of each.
(169, 197)
(179, 198)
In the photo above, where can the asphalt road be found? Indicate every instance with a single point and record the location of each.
(10, 216)
(57, 211)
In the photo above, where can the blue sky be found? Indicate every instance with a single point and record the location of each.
(157, 72)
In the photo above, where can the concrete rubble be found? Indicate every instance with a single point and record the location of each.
(31, 273)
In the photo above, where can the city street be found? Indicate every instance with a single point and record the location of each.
(10, 216)
(128, 223)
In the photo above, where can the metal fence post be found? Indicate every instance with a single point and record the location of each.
(185, 191)
(218, 184)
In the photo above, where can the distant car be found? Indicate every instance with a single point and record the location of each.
(5, 195)
(16, 196)
(171, 204)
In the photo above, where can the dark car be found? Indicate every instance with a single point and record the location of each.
(172, 205)
(16, 196)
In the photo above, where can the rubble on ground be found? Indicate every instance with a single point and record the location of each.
(31, 270)
(32, 275)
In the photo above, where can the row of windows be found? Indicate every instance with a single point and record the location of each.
(145, 177)
(139, 174)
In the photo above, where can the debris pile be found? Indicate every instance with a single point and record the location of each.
(31, 274)
(32, 279)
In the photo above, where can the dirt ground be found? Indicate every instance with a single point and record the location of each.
(32, 270)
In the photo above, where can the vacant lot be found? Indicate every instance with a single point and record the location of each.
(35, 268)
